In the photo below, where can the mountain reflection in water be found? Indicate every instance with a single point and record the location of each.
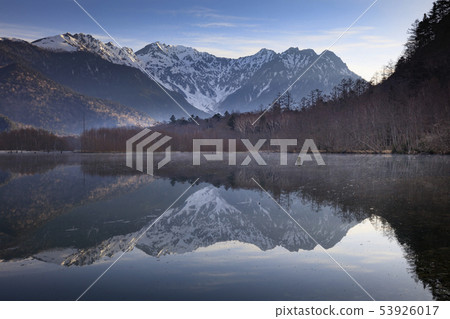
(386, 218)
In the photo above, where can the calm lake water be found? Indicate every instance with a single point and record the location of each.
(65, 218)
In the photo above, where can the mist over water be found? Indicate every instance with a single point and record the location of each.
(65, 218)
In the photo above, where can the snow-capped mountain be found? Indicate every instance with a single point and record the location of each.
(215, 84)
(204, 79)
(88, 67)
(282, 71)
(85, 42)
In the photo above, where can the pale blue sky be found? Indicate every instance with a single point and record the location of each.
(229, 28)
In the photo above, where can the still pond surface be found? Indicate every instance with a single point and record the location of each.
(65, 218)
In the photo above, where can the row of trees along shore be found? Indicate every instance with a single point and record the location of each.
(406, 110)
(31, 139)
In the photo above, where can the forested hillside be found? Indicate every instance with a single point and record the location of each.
(30, 98)
(408, 112)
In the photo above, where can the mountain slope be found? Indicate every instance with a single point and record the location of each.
(281, 72)
(28, 97)
(90, 74)
(218, 84)
(87, 43)
(205, 80)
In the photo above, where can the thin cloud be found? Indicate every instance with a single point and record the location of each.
(352, 31)
(225, 25)
(203, 12)
(213, 14)
(216, 24)
(27, 33)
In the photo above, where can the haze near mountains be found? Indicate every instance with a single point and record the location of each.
(112, 90)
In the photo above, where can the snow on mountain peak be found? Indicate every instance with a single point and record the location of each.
(215, 84)
(209, 82)
(85, 42)
(58, 43)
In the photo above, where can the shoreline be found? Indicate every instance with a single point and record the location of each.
(355, 152)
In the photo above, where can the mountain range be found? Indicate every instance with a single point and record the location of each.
(201, 83)
(215, 84)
